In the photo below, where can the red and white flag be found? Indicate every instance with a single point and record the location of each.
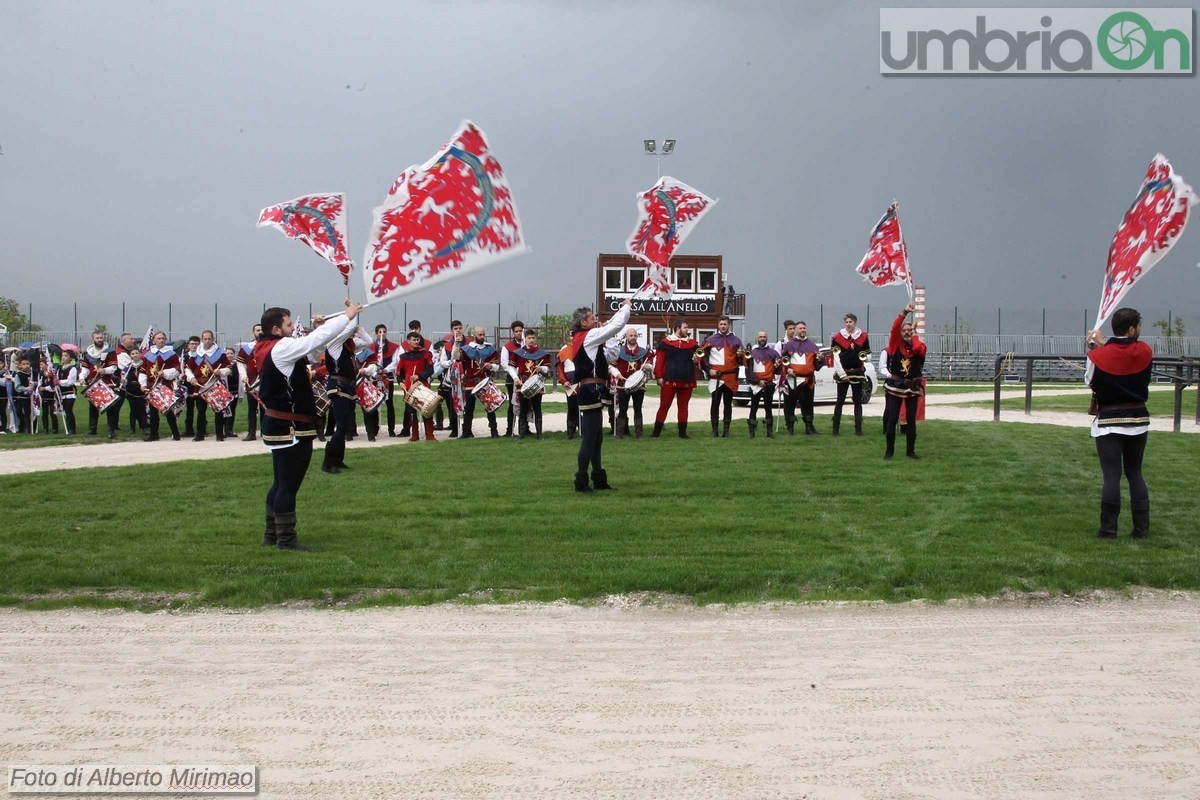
(667, 212)
(886, 261)
(1150, 228)
(318, 220)
(452, 215)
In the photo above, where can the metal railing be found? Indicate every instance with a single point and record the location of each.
(1181, 371)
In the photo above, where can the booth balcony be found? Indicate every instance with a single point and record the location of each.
(735, 306)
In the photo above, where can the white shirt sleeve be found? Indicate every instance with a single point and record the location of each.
(597, 335)
(504, 362)
(69, 381)
(124, 361)
(287, 352)
(883, 370)
(1089, 372)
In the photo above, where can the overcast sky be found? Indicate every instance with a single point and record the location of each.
(140, 140)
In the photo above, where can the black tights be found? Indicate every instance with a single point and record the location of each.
(761, 396)
(343, 416)
(1120, 452)
(891, 417)
(591, 440)
(723, 396)
(290, 465)
(855, 388)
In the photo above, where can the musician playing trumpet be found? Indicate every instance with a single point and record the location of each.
(851, 351)
(761, 365)
(798, 378)
(528, 366)
(722, 357)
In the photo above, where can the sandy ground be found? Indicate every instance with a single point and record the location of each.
(1057, 699)
(939, 407)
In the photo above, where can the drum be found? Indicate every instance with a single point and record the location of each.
(370, 395)
(488, 394)
(635, 381)
(423, 400)
(217, 396)
(320, 397)
(101, 395)
(252, 390)
(533, 386)
(162, 397)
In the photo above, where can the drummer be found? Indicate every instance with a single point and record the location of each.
(630, 361)
(480, 361)
(528, 366)
(339, 361)
(160, 367)
(413, 365)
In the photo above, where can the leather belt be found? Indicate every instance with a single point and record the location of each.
(289, 416)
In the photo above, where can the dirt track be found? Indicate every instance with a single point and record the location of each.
(1054, 700)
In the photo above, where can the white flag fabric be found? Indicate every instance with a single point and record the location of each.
(1148, 231)
(452, 215)
(667, 213)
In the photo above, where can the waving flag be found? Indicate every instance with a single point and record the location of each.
(667, 212)
(452, 215)
(1149, 229)
(886, 261)
(318, 220)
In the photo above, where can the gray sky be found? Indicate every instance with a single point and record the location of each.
(140, 139)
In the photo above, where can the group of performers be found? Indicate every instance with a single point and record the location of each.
(38, 387)
(303, 387)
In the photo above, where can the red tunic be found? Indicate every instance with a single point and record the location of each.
(475, 369)
(414, 365)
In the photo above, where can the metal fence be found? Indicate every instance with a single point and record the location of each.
(963, 341)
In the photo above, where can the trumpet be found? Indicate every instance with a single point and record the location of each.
(864, 355)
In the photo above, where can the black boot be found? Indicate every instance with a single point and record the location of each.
(654, 434)
(858, 431)
(637, 429)
(581, 483)
(791, 425)
(809, 428)
(725, 430)
(600, 479)
(269, 528)
(753, 425)
(572, 426)
(622, 427)
(683, 431)
(1110, 515)
(714, 433)
(495, 432)
(837, 427)
(285, 533)
(1141, 522)
(770, 426)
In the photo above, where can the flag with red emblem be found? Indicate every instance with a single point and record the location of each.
(886, 261)
(317, 220)
(667, 213)
(1150, 228)
(452, 215)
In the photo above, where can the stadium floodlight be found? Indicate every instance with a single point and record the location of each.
(650, 147)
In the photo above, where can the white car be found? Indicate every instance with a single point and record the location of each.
(824, 392)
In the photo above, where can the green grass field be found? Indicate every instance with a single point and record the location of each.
(988, 508)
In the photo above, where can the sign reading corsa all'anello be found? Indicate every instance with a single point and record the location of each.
(1035, 41)
(675, 305)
